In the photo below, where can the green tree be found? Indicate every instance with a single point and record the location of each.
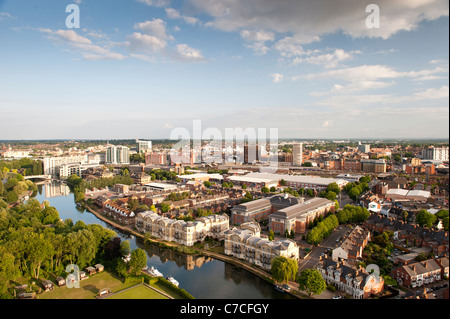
(271, 235)
(333, 187)
(311, 281)
(425, 219)
(265, 190)
(284, 269)
(138, 261)
(165, 207)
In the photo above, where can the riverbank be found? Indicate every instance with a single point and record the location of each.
(228, 259)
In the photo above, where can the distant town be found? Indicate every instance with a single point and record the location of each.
(364, 219)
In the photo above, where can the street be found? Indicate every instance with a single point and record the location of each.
(329, 243)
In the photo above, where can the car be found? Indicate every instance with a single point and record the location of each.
(337, 297)
(286, 287)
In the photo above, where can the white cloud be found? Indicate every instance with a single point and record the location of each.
(155, 3)
(175, 14)
(5, 15)
(315, 18)
(277, 77)
(83, 45)
(147, 43)
(327, 60)
(185, 52)
(256, 40)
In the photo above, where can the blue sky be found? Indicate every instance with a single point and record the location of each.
(140, 68)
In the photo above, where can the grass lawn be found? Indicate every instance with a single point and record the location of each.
(90, 287)
(138, 292)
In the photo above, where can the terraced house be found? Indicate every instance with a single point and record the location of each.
(179, 231)
(356, 282)
(246, 243)
(418, 274)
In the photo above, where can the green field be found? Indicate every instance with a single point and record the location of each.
(138, 292)
(90, 287)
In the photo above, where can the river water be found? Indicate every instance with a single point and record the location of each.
(202, 277)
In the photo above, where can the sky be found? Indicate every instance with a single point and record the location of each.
(142, 68)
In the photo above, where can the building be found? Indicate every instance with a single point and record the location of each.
(117, 155)
(252, 153)
(297, 217)
(435, 153)
(285, 212)
(246, 243)
(52, 165)
(297, 154)
(144, 146)
(352, 247)
(373, 166)
(294, 181)
(182, 232)
(417, 274)
(154, 158)
(356, 282)
(364, 148)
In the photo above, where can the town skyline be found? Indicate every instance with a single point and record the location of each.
(144, 68)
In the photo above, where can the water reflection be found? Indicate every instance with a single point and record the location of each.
(203, 277)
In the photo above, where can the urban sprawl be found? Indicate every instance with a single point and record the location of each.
(369, 219)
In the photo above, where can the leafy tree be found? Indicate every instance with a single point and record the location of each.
(265, 190)
(271, 235)
(445, 223)
(138, 261)
(284, 269)
(273, 189)
(333, 187)
(165, 207)
(311, 281)
(207, 184)
(424, 218)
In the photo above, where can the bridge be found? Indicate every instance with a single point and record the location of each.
(38, 177)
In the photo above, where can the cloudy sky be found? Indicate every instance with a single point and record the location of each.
(140, 68)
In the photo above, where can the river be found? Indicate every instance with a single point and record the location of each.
(202, 277)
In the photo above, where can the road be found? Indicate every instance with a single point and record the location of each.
(329, 243)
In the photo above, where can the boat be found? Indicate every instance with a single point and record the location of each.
(172, 280)
(152, 271)
(279, 288)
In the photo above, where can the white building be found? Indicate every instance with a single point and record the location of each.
(179, 231)
(435, 153)
(117, 155)
(144, 146)
(245, 243)
(52, 165)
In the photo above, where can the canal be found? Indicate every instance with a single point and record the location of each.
(202, 277)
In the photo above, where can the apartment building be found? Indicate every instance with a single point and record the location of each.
(52, 165)
(246, 243)
(298, 216)
(435, 153)
(179, 231)
(297, 154)
(117, 155)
